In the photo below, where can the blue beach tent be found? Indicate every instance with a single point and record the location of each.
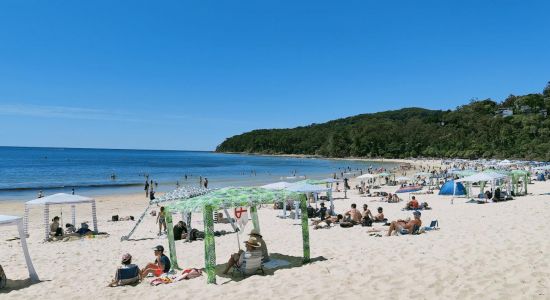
(448, 187)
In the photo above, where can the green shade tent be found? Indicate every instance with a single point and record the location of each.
(230, 198)
(516, 176)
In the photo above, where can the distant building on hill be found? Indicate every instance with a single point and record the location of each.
(505, 112)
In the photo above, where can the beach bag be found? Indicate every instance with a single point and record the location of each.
(114, 218)
(3, 278)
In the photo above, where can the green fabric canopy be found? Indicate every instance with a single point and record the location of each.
(231, 198)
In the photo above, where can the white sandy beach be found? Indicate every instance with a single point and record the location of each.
(489, 251)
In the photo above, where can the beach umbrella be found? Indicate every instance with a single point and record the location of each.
(422, 174)
(277, 185)
(402, 179)
(366, 176)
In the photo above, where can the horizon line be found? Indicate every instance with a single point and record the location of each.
(99, 148)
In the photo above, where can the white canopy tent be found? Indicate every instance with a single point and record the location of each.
(18, 221)
(302, 187)
(281, 185)
(491, 177)
(59, 199)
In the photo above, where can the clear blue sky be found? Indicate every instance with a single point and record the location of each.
(188, 74)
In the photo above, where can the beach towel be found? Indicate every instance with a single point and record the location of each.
(188, 274)
(161, 280)
(276, 263)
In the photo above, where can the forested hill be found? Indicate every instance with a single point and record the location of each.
(480, 129)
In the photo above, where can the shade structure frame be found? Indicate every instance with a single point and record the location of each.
(207, 206)
(19, 223)
(58, 199)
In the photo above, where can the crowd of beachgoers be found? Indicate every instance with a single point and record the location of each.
(407, 201)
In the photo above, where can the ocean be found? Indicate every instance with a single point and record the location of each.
(24, 171)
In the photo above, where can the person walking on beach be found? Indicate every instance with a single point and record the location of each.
(205, 182)
(40, 194)
(146, 188)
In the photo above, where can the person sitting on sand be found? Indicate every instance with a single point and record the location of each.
(380, 216)
(366, 215)
(126, 262)
(353, 215)
(180, 231)
(413, 204)
(160, 266)
(55, 227)
(252, 250)
(265, 254)
(406, 227)
(323, 211)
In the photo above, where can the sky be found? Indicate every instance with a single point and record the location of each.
(187, 74)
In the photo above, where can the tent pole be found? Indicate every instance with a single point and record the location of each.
(231, 221)
(26, 220)
(28, 261)
(188, 221)
(47, 220)
(94, 216)
(73, 214)
(331, 201)
(125, 238)
(171, 244)
(305, 228)
(255, 221)
(209, 245)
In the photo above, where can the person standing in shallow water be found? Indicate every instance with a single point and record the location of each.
(205, 182)
(146, 188)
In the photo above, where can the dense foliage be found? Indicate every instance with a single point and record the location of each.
(474, 130)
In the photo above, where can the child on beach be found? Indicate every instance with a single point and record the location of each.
(161, 220)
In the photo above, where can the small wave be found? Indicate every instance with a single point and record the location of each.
(52, 187)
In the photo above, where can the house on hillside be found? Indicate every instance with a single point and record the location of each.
(505, 112)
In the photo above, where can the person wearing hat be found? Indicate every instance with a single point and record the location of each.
(265, 254)
(160, 266)
(406, 227)
(252, 250)
(123, 276)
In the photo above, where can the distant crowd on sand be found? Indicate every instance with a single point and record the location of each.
(354, 217)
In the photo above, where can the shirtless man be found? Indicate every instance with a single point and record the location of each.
(405, 227)
(366, 212)
(380, 216)
(354, 215)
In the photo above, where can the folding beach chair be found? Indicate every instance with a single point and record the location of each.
(126, 276)
(250, 266)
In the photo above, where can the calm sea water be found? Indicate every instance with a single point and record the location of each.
(24, 171)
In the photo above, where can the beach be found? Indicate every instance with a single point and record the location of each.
(489, 251)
